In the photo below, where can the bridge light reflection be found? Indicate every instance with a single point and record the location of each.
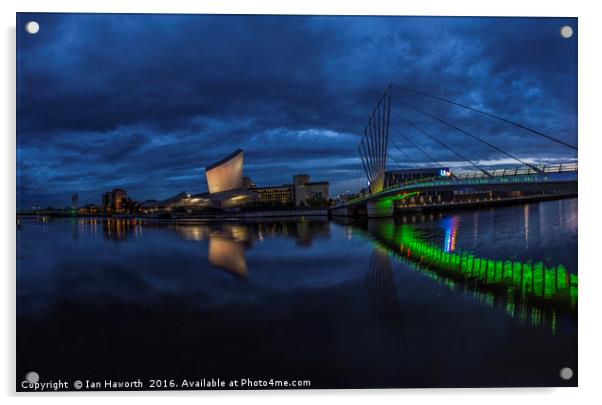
(530, 292)
(529, 280)
(451, 229)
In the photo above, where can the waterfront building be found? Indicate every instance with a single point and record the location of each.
(400, 176)
(225, 184)
(119, 197)
(309, 193)
(226, 190)
(106, 200)
(88, 209)
(74, 201)
(301, 193)
(114, 199)
(276, 196)
(248, 183)
(225, 174)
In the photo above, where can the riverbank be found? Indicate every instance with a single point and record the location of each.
(214, 216)
(324, 213)
(497, 202)
(357, 211)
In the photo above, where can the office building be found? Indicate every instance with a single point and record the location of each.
(106, 200)
(397, 177)
(309, 193)
(276, 196)
(119, 198)
(114, 199)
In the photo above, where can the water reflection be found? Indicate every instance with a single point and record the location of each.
(526, 210)
(383, 288)
(536, 291)
(228, 255)
(349, 303)
(524, 283)
(119, 229)
(227, 242)
(451, 228)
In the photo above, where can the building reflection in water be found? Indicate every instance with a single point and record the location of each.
(86, 227)
(228, 255)
(121, 229)
(115, 229)
(227, 241)
(381, 285)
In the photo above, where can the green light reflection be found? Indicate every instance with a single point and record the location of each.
(533, 292)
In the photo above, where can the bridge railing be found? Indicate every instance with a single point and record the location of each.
(521, 171)
(515, 171)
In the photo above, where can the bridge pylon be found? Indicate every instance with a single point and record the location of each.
(374, 143)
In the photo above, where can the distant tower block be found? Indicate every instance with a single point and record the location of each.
(119, 196)
(225, 174)
(74, 201)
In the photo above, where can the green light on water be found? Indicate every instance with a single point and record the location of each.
(526, 279)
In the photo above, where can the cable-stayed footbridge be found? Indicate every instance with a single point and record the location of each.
(427, 133)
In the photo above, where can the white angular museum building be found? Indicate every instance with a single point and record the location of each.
(225, 183)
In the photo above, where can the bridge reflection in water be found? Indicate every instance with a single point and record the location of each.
(381, 283)
(532, 292)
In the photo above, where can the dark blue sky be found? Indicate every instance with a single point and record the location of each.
(145, 102)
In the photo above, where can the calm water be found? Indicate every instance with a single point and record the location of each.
(323, 301)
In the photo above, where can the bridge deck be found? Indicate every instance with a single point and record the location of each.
(502, 177)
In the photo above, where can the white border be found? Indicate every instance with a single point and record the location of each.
(590, 69)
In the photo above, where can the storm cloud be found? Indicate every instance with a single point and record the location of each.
(145, 102)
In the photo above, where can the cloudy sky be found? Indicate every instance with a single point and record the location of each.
(145, 102)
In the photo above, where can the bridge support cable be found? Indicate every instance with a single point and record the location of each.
(458, 154)
(397, 163)
(449, 124)
(373, 131)
(360, 179)
(359, 183)
(404, 154)
(386, 123)
(362, 158)
(365, 153)
(497, 117)
(372, 159)
(373, 146)
(368, 151)
(432, 159)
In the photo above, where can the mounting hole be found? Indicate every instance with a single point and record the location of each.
(32, 377)
(566, 31)
(566, 373)
(32, 27)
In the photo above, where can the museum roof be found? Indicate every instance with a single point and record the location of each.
(224, 160)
